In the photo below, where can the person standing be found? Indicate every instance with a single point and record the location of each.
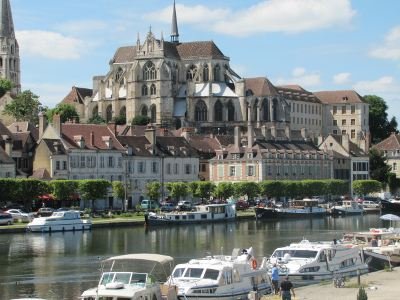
(286, 288)
(275, 279)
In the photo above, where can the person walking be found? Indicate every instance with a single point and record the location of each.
(275, 279)
(286, 288)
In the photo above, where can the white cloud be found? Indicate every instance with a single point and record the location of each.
(341, 78)
(384, 85)
(49, 44)
(301, 77)
(290, 16)
(82, 26)
(391, 46)
(49, 94)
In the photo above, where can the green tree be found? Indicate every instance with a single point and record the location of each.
(96, 119)
(223, 190)
(362, 295)
(365, 187)
(25, 107)
(66, 111)
(140, 120)
(8, 188)
(205, 190)
(93, 189)
(248, 188)
(177, 189)
(393, 183)
(29, 189)
(313, 187)
(120, 120)
(272, 188)
(379, 169)
(379, 126)
(153, 190)
(292, 188)
(63, 189)
(5, 86)
(192, 186)
(335, 187)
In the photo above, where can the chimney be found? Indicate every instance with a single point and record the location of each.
(250, 136)
(42, 124)
(91, 138)
(346, 142)
(150, 134)
(8, 144)
(237, 137)
(287, 132)
(304, 134)
(57, 124)
(320, 140)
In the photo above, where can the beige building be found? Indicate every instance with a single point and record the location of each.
(391, 149)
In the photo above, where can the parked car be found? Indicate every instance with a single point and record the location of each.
(6, 218)
(19, 214)
(184, 205)
(44, 212)
(242, 205)
(149, 204)
(167, 207)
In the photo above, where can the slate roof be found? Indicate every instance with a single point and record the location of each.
(50, 143)
(260, 86)
(353, 148)
(204, 144)
(4, 158)
(77, 95)
(390, 143)
(137, 144)
(287, 145)
(69, 130)
(339, 97)
(173, 145)
(17, 127)
(296, 92)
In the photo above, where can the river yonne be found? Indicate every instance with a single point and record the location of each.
(62, 265)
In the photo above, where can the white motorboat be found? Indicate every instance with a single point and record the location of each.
(200, 214)
(312, 262)
(371, 206)
(60, 221)
(220, 277)
(348, 207)
(133, 277)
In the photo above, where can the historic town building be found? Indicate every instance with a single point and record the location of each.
(390, 147)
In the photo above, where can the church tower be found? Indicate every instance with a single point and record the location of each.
(9, 49)
(174, 27)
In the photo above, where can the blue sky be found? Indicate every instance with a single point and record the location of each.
(318, 44)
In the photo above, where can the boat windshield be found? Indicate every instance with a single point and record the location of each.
(193, 272)
(211, 274)
(124, 277)
(196, 273)
(295, 253)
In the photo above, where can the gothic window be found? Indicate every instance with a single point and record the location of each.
(200, 111)
(95, 111)
(231, 111)
(191, 73)
(109, 113)
(118, 75)
(218, 111)
(144, 111)
(11, 64)
(12, 49)
(1, 62)
(265, 110)
(254, 112)
(145, 90)
(275, 109)
(153, 111)
(217, 72)
(206, 73)
(149, 71)
(153, 89)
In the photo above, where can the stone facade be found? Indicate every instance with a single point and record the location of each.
(391, 149)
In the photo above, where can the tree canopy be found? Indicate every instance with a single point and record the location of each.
(5, 86)
(379, 169)
(66, 111)
(140, 120)
(379, 125)
(25, 107)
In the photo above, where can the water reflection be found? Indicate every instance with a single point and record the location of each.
(61, 266)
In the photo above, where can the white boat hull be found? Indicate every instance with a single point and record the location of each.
(60, 227)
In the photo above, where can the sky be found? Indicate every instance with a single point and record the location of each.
(318, 44)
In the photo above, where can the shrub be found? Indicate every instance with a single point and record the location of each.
(362, 295)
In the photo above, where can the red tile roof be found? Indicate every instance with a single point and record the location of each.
(77, 95)
(390, 143)
(260, 86)
(339, 97)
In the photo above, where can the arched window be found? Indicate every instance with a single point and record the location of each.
(217, 72)
(1, 62)
(191, 73)
(275, 110)
(109, 113)
(153, 114)
(145, 90)
(95, 111)
(143, 112)
(265, 111)
(11, 64)
(12, 49)
(200, 111)
(231, 111)
(122, 112)
(218, 113)
(149, 71)
(254, 112)
(206, 73)
(153, 89)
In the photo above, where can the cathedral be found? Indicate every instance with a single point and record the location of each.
(183, 84)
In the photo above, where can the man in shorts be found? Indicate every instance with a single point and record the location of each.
(275, 279)
(286, 288)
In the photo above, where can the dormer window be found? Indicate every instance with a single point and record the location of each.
(250, 155)
(236, 156)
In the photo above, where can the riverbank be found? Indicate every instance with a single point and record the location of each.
(111, 222)
(380, 285)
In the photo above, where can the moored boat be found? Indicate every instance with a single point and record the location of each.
(60, 221)
(296, 209)
(312, 262)
(220, 277)
(348, 207)
(132, 277)
(371, 206)
(391, 205)
(201, 213)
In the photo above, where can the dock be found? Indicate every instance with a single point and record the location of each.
(380, 285)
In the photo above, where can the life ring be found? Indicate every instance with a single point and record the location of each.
(254, 264)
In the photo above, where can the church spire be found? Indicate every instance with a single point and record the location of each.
(174, 28)
(6, 22)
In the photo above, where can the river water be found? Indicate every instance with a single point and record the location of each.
(63, 265)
